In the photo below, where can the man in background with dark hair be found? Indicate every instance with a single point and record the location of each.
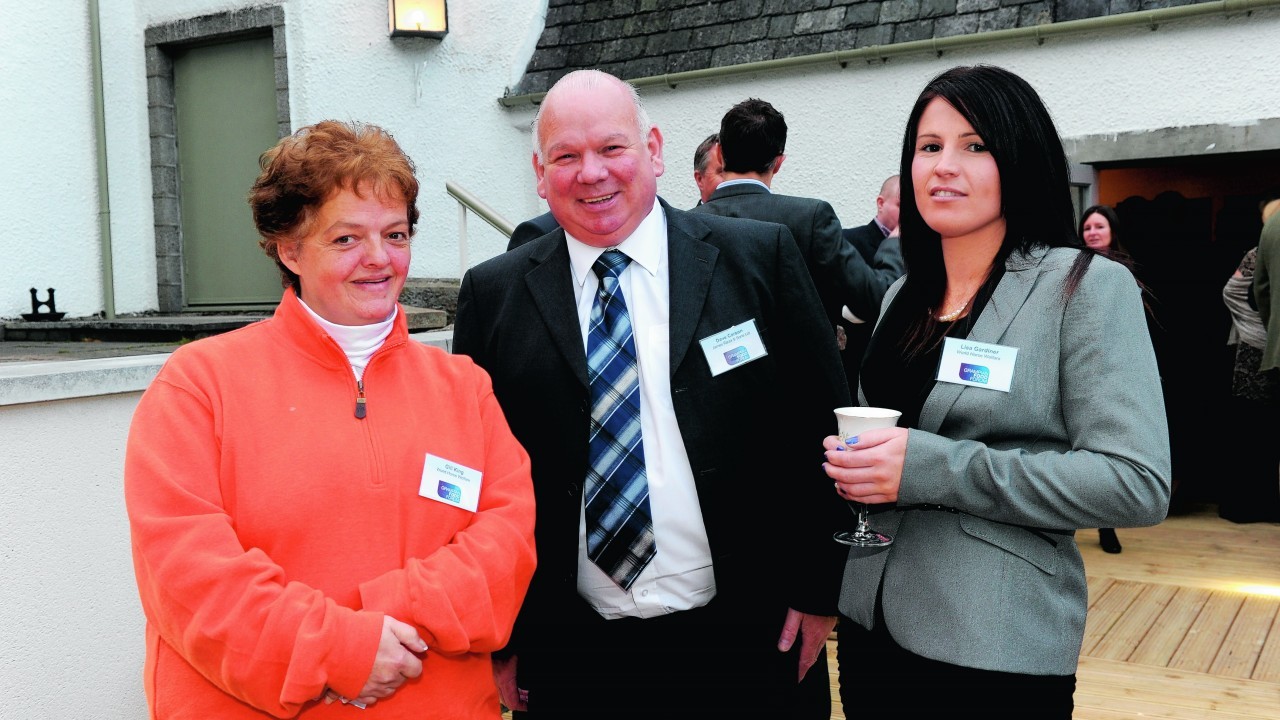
(753, 138)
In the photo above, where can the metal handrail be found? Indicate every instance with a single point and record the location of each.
(468, 201)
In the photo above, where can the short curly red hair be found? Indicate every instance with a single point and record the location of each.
(305, 169)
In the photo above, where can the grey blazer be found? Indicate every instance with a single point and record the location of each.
(995, 580)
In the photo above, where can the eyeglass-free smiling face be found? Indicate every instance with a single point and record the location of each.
(597, 173)
(956, 180)
(353, 257)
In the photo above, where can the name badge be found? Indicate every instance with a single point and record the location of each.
(450, 483)
(967, 362)
(731, 348)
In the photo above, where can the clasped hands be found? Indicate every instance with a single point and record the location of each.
(397, 661)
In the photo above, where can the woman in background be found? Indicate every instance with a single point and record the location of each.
(1251, 493)
(321, 508)
(1031, 408)
(1100, 230)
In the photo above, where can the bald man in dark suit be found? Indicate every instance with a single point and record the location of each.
(732, 370)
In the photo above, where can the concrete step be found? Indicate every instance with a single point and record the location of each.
(422, 319)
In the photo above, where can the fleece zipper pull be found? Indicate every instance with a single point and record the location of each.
(361, 410)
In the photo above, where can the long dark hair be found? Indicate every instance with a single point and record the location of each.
(1035, 196)
(1116, 251)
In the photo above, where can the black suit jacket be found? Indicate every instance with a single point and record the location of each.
(840, 274)
(865, 239)
(753, 434)
(531, 229)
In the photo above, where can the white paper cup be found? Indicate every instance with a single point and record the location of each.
(853, 421)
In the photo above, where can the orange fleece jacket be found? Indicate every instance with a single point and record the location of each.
(272, 529)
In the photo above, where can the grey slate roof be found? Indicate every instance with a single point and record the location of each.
(645, 38)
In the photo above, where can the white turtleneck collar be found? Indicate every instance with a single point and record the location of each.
(359, 342)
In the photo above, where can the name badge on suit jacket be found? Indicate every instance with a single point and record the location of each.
(731, 348)
(968, 362)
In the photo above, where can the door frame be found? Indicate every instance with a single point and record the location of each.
(161, 42)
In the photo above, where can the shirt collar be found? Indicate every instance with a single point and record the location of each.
(743, 181)
(643, 246)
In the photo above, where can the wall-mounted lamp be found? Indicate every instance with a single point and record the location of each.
(418, 18)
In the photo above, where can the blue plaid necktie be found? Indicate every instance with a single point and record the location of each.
(619, 527)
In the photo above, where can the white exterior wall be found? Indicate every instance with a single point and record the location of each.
(71, 625)
(73, 629)
(440, 100)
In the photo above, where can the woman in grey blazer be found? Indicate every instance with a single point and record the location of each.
(1031, 407)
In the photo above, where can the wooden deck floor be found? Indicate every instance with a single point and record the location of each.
(1184, 624)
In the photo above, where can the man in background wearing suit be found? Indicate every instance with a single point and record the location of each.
(867, 238)
(678, 365)
(708, 171)
(753, 137)
(878, 243)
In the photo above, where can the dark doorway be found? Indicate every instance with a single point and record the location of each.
(1187, 222)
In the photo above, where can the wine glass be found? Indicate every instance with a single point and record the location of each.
(851, 422)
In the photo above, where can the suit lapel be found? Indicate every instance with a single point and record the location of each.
(1021, 273)
(690, 264)
(551, 285)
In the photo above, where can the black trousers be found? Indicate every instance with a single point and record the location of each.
(878, 678)
(702, 663)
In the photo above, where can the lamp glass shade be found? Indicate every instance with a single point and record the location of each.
(418, 18)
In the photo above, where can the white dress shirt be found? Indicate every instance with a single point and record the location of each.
(679, 577)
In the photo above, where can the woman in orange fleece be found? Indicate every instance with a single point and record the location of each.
(326, 514)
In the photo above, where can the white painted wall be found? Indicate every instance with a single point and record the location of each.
(73, 631)
(440, 99)
(71, 625)
(48, 219)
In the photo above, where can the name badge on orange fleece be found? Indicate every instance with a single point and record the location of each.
(450, 483)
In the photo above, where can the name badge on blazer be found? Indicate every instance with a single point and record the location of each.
(968, 362)
(450, 483)
(732, 348)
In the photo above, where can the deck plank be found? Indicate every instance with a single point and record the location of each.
(1171, 628)
(1205, 637)
(1108, 610)
(1268, 667)
(1135, 623)
(1243, 642)
(1110, 689)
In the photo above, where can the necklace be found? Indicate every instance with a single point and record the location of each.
(954, 313)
